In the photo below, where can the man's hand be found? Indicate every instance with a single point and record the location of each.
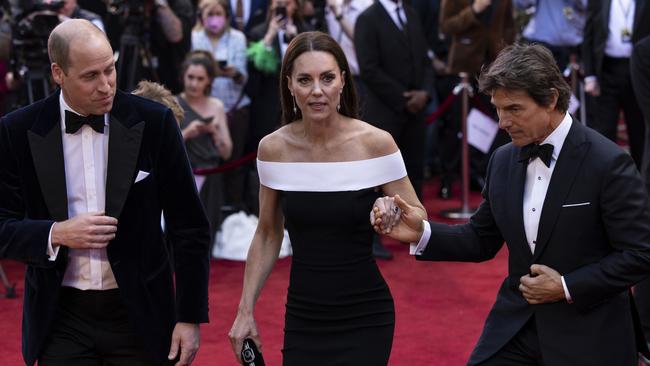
(187, 337)
(408, 229)
(415, 100)
(544, 286)
(90, 230)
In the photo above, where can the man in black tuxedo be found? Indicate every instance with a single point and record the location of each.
(394, 67)
(84, 177)
(640, 73)
(572, 209)
(612, 29)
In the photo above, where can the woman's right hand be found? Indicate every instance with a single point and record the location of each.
(275, 24)
(195, 129)
(243, 327)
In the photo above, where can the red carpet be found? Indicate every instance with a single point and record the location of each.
(440, 307)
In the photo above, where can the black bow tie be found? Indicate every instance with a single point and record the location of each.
(532, 151)
(73, 122)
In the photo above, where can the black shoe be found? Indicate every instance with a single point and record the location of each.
(445, 189)
(379, 251)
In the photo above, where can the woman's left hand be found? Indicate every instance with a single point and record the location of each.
(385, 214)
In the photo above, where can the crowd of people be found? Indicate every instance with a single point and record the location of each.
(334, 96)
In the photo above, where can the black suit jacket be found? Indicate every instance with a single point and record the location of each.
(597, 30)
(143, 137)
(594, 230)
(640, 73)
(390, 62)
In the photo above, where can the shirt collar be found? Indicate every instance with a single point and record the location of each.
(390, 5)
(558, 136)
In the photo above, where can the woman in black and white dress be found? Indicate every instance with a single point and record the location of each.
(320, 175)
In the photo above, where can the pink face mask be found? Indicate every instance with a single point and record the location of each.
(215, 23)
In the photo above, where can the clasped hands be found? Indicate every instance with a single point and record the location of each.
(542, 285)
(394, 217)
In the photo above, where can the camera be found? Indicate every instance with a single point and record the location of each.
(250, 355)
(222, 63)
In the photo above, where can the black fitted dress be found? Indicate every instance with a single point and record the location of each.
(339, 309)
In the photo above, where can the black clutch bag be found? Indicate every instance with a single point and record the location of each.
(251, 355)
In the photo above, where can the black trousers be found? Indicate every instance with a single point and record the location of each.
(522, 350)
(92, 328)
(615, 94)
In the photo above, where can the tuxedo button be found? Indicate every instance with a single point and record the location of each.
(533, 209)
(539, 178)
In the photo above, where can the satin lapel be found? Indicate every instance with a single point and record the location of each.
(567, 166)
(123, 149)
(46, 145)
(638, 13)
(516, 201)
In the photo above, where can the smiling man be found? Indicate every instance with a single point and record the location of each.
(573, 211)
(84, 176)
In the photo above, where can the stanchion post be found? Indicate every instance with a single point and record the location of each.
(464, 212)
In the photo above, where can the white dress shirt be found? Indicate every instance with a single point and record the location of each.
(621, 16)
(350, 12)
(85, 155)
(392, 8)
(538, 177)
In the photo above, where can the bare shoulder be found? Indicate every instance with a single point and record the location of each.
(273, 147)
(376, 141)
(216, 104)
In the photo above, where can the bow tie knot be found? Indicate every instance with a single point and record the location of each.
(73, 122)
(531, 151)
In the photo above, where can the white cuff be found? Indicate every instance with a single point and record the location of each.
(566, 291)
(51, 252)
(417, 249)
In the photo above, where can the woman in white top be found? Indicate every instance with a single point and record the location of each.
(320, 175)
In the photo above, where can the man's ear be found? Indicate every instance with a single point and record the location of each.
(556, 96)
(57, 73)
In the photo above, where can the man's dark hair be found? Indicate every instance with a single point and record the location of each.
(527, 67)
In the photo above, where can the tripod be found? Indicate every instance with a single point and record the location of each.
(36, 82)
(11, 289)
(133, 49)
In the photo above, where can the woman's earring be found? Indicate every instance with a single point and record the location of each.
(295, 109)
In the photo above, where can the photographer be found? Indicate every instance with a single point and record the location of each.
(160, 34)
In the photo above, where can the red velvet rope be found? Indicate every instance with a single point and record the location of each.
(227, 166)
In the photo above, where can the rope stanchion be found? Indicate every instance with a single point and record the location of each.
(442, 108)
(464, 212)
(227, 166)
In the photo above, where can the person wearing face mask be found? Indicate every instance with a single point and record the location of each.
(227, 45)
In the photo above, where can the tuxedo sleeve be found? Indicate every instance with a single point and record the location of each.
(588, 42)
(21, 238)
(187, 226)
(626, 219)
(477, 241)
(367, 45)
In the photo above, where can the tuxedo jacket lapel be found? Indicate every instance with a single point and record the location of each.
(388, 19)
(638, 13)
(516, 201)
(46, 145)
(123, 150)
(567, 166)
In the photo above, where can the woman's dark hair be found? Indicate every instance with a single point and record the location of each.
(531, 68)
(315, 41)
(200, 58)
